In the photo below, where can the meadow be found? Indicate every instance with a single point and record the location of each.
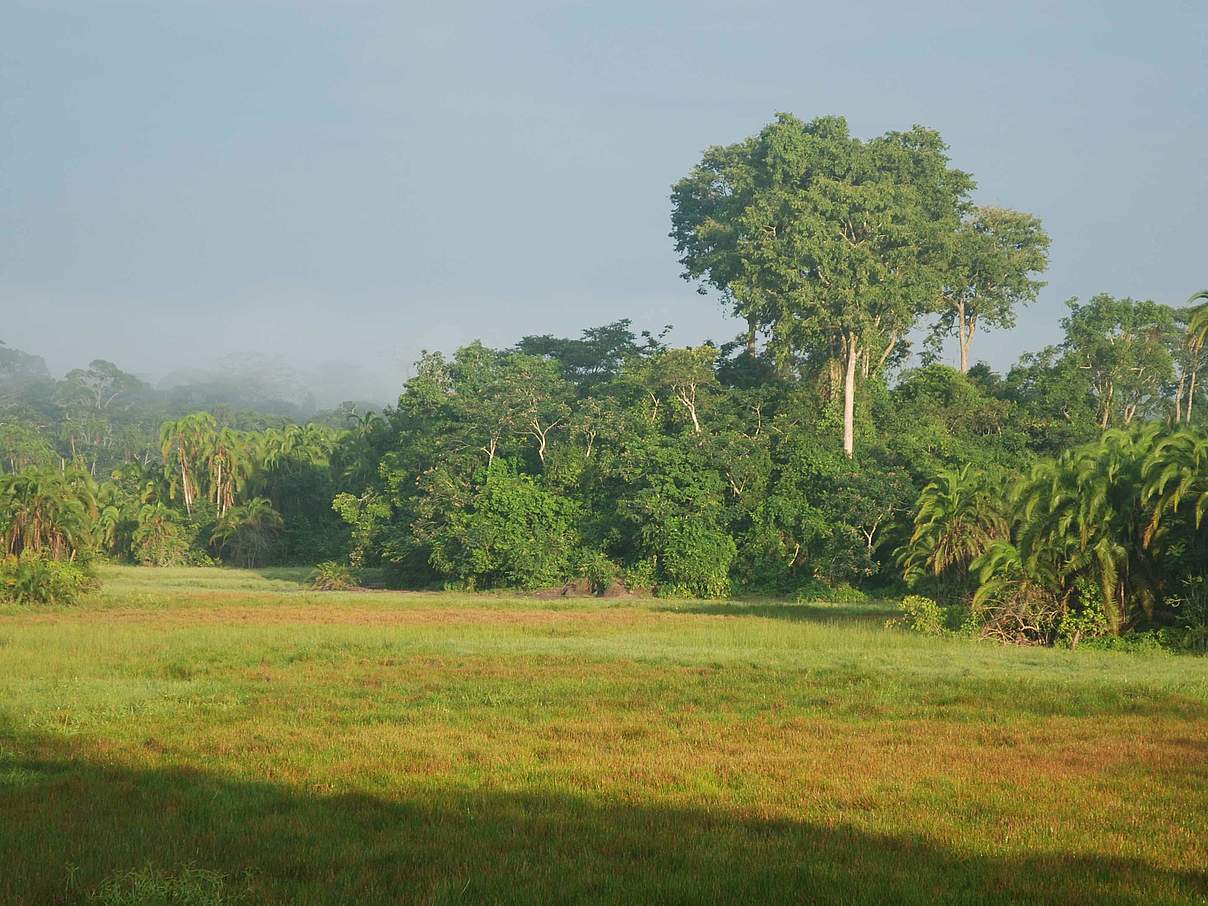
(227, 736)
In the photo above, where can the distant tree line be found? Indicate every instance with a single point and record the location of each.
(814, 456)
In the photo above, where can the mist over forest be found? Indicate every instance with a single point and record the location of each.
(702, 451)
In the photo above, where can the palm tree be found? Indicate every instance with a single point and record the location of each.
(1082, 516)
(229, 463)
(1197, 327)
(158, 540)
(248, 531)
(47, 511)
(1196, 338)
(1176, 479)
(182, 443)
(959, 515)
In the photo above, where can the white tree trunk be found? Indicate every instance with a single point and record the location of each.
(849, 398)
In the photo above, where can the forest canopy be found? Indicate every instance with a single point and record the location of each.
(813, 456)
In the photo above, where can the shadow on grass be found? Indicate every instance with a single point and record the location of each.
(301, 575)
(870, 614)
(69, 823)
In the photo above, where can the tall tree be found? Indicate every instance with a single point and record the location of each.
(102, 385)
(994, 257)
(1123, 346)
(183, 443)
(229, 463)
(18, 370)
(817, 238)
(685, 376)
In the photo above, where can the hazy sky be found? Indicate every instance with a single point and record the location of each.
(350, 182)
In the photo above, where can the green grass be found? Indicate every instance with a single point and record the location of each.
(224, 736)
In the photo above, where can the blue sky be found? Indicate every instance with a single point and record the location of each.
(343, 184)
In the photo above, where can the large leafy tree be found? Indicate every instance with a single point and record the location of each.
(22, 445)
(593, 359)
(18, 372)
(995, 256)
(102, 385)
(1123, 348)
(513, 533)
(821, 241)
(684, 378)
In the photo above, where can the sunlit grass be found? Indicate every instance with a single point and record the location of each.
(378, 747)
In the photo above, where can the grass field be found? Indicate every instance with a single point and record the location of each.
(234, 737)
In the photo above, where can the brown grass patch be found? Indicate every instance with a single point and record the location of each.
(273, 613)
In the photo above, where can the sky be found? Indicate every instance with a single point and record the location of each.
(339, 185)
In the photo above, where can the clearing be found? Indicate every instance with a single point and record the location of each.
(236, 734)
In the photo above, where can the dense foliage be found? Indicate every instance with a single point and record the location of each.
(811, 457)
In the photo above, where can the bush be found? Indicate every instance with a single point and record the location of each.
(1018, 611)
(843, 593)
(1191, 615)
(33, 579)
(165, 537)
(961, 620)
(514, 534)
(1151, 642)
(332, 576)
(640, 575)
(921, 615)
(1086, 619)
(598, 569)
(696, 559)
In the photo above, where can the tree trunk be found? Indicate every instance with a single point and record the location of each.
(184, 485)
(1190, 396)
(849, 397)
(966, 339)
(689, 403)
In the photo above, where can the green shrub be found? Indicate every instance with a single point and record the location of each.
(843, 593)
(598, 569)
(332, 576)
(1086, 618)
(514, 534)
(1152, 642)
(921, 614)
(961, 620)
(1191, 615)
(162, 538)
(34, 579)
(696, 559)
(640, 575)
